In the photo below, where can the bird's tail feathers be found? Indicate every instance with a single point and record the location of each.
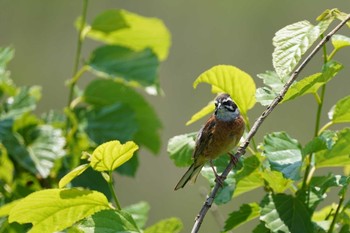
(191, 174)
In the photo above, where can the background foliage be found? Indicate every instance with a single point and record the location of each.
(49, 43)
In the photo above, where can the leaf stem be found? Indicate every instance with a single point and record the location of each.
(111, 189)
(78, 51)
(341, 200)
(326, 126)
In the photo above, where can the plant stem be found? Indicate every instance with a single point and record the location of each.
(78, 51)
(111, 189)
(341, 200)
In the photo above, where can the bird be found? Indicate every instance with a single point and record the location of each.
(219, 135)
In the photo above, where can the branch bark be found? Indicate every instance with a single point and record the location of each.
(241, 150)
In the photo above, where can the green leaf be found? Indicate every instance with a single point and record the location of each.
(231, 80)
(72, 174)
(6, 55)
(285, 213)
(5, 209)
(201, 113)
(338, 155)
(170, 225)
(24, 101)
(109, 122)
(46, 148)
(276, 181)
(123, 63)
(265, 95)
(261, 228)
(341, 112)
(292, 41)
(139, 212)
(246, 213)
(283, 154)
(43, 146)
(112, 154)
(180, 149)
(130, 167)
(109, 221)
(7, 167)
(340, 41)
(53, 210)
(249, 178)
(322, 142)
(108, 92)
(136, 32)
(311, 84)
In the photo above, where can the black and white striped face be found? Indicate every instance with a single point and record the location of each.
(225, 108)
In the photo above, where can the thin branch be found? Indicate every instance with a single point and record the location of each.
(241, 150)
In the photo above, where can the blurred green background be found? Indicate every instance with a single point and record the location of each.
(204, 33)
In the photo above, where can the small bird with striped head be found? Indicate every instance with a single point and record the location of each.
(219, 135)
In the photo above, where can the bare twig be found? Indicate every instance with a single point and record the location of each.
(241, 150)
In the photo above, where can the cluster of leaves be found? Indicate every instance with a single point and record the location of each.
(280, 165)
(36, 151)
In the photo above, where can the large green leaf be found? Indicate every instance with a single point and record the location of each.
(246, 213)
(107, 221)
(121, 27)
(116, 121)
(123, 63)
(311, 84)
(283, 154)
(231, 80)
(53, 210)
(180, 149)
(285, 213)
(108, 92)
(292, 41)
(112, 154)
(322, 142)
(170, 225)
(341, 111)
(249, 178)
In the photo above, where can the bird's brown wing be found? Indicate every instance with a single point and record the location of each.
(204, 137)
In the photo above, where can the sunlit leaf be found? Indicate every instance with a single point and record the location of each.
(341, 111)
(285, 213)
(283, 154)
(7, 167)
(107, 92)
(276, 181)
(6, 209)
(201, 113)
(111, 155)
(340, 41)
(123, 63)
(292, 41)
(72, 174)
(170, 225)
(54, 210)
(180, 149)
(312, 83)
(121, 27)
(109, 221)
(139, 212)
(246, 213)
(231, 80)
